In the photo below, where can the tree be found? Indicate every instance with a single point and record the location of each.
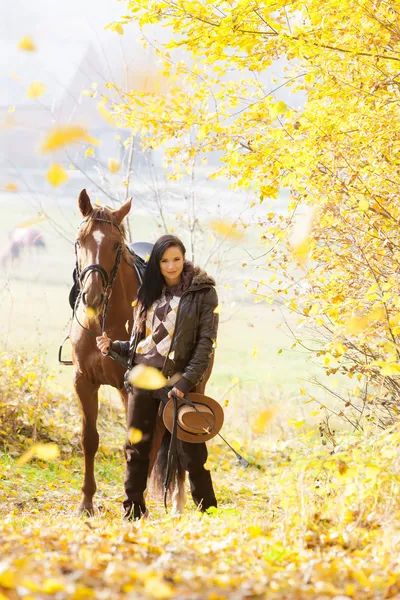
(338, 154)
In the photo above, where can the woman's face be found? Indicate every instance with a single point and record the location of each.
(171, 265)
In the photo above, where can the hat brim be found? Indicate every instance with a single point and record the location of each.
(186, 436)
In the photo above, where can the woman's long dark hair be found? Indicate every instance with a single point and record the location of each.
(153, 281)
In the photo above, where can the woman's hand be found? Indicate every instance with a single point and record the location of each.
(103, 343)
(176, 392)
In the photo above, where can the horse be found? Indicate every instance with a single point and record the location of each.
(22, 238)
(108, 286)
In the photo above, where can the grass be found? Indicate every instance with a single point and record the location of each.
(303, 521)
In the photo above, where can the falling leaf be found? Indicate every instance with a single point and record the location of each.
(157, 588)
(146, 378)
(33, 221)
(42, 451)
(63, 136)
(56, 175)
(235, 380)
(134, 435)
(226, 402)
(36, 90)
(11, 109)
(146, 258)
(217, 309)
(113, 165)
(134, 303)
(263, 419)
(27, 44)
(105, 113)
(301, 251)
(255, 352)
(10, 187)
(89, 152)
(225, 229)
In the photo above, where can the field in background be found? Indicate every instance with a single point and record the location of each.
(35, 313)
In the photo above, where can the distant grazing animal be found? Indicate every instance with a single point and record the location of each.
(20, 239)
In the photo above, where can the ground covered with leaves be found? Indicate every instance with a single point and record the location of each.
(306, 519)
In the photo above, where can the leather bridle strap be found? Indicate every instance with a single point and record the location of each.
(107, 281)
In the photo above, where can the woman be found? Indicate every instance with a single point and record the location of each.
(175, 330)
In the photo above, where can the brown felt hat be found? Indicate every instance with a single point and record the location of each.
(192, 426)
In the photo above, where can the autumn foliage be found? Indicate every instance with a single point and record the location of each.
(335, 146)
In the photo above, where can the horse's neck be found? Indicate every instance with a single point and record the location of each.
(124, 292)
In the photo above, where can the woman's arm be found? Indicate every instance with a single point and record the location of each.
(119, 349)
(206, 338)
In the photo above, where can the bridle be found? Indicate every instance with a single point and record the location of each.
(107, 280)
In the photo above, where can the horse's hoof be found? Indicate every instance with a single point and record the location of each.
(86, 509)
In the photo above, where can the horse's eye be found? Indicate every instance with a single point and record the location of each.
(116, 246)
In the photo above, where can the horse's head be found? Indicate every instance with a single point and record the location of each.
(99, 246)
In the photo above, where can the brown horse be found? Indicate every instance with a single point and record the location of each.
(108, 286)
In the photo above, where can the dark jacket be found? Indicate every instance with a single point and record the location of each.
(194, 337)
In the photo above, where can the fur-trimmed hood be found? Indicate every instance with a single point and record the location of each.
(201, 277)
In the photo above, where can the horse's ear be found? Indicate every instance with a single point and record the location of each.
(85, 206)
(123, 210)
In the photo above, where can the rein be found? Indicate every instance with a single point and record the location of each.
(107, 281)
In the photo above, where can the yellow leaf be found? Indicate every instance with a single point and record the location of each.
(7, 579)
(254, 531)
(363, 205)
(357, 324)
(63, 136)
(134, 303)
(387, 369)
(134, 435)
(157, 588)
(118, 28)
(301, 251)
(35, 90)
(113, 165)
(89, 152)
(146, 258)
(56, 175)
(217, 309)
(225, 229)
(10, 187)
(11, 109)
(27, 44)
(47, 451)
(42, 451)
(255, 352)
(146, 378)
(105, 113)
(52, 585)
(235, 380)
(263, 419)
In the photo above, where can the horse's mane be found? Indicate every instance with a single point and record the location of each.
(101, 212)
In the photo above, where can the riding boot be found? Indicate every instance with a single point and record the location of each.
(194, 456)
(141, 415)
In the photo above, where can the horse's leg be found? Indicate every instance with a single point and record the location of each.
(87, 394)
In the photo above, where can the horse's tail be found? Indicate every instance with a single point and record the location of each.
(164, 462)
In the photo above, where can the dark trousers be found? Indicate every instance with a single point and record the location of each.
(141, 414)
